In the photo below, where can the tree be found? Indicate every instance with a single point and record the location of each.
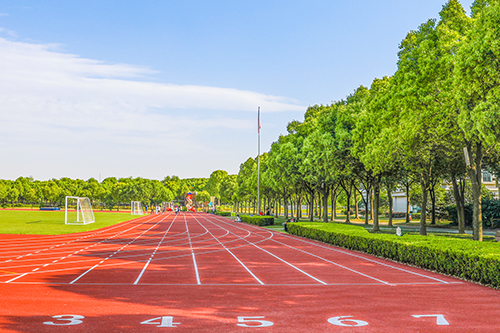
(477, 79)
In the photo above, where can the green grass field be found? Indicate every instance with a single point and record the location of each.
(35, 222)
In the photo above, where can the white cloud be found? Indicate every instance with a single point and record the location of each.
(11, 33)
(52, 100)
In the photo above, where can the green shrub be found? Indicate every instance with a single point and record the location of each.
(489, 208)
(223, 213)
(466, 259)
(258, 219)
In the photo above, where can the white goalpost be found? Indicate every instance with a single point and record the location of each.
(136, 208)
(82, 214)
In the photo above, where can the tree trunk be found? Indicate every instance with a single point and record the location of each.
(285, 203)
(423, 212)
(408, 208)
(367, 205)
(389, 196)
(371, 206)
(334, 204)
(348, 210)
(460, 206)
(311, 207)
(475, 173)
(299, 207)
(325, 204)
(432, 194)
(356, 206)
(376, 202)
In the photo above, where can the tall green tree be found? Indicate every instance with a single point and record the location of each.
(477, 79)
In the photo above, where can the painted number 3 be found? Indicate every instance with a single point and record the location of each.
(65, 320)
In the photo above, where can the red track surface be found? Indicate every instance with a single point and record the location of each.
(202, 273)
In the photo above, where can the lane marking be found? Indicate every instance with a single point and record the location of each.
(235, 257)
(284, 261)
(90, 269)
(332, 262)
(333, 248)
(8, 272)
(20, 276)
(154, 252)
(192, 253)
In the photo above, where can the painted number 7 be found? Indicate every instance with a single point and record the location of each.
(439, 318)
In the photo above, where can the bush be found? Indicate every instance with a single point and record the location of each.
(490, 209)
(466, 259)
(223, 213)
(396, 215)
(258, 219)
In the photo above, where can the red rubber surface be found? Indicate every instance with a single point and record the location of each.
(203, 273)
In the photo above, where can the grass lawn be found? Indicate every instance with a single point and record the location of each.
(36, 222)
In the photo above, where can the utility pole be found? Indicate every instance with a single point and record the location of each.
(258, 162)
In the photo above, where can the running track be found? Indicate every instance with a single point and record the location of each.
(203, 273)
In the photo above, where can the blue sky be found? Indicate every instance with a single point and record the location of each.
(157, 88)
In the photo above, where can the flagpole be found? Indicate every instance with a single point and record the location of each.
(258, 163)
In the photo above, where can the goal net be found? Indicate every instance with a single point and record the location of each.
(78, 210)
(136, 208)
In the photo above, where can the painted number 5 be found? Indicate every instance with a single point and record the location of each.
(70, 320)
(344, 321)
(255, 321)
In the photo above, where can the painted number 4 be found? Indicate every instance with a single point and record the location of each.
(165, 321)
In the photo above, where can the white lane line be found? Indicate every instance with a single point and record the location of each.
(20, 276)
(142, 272)
(332, 262)
(234, 256)
(284, 261)
(333, 248)
(90, 269)
(82, 275)
(154, 252)
(329, 261)
(367, 259)
(192, 254)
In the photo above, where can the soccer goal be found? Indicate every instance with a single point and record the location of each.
(136, 208)
(78, 210)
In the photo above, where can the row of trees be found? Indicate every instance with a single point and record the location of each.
(437, 119)
(113, 192)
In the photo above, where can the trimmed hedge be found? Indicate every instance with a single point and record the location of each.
(258, 219)
(223, 213)
(466, 259)
(489, 208)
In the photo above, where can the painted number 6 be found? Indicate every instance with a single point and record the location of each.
(343, 321)
(256, 321)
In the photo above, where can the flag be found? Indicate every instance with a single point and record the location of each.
(258, 121)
